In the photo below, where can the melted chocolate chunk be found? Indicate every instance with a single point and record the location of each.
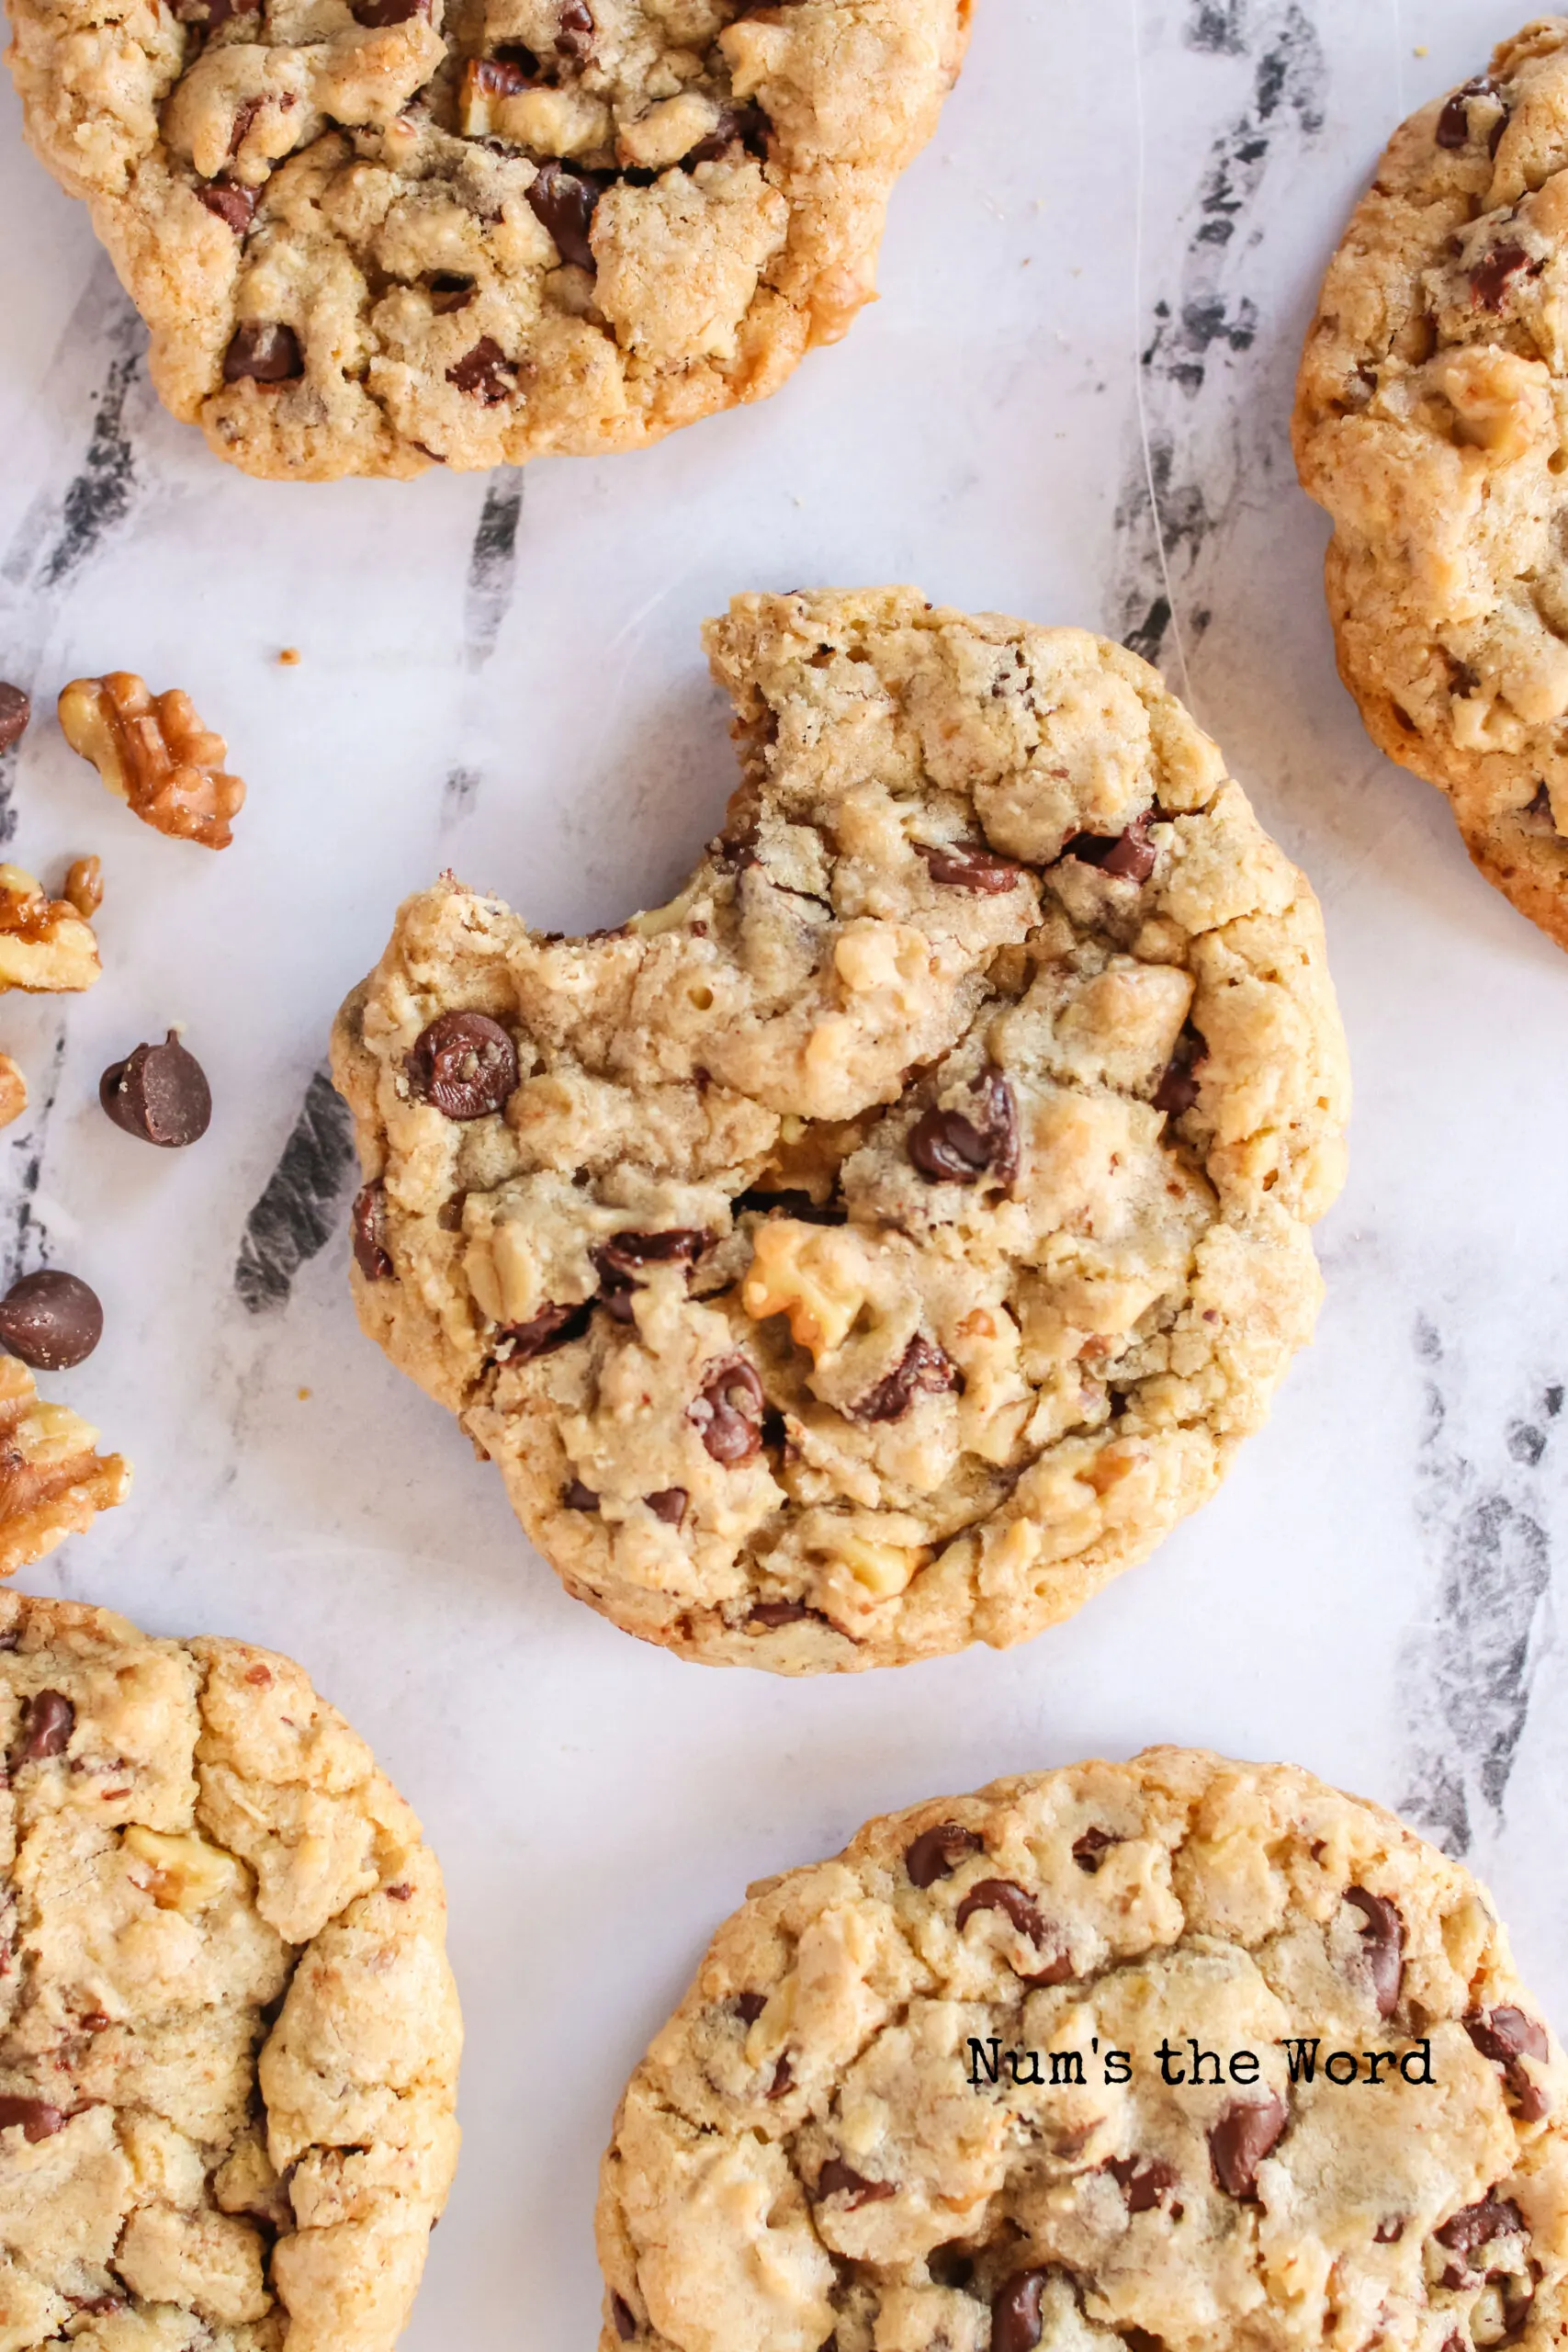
(485, 373)
(369, 1223)
(936, 1853)
(1089, 1850)
(1002, 1894)
(236, 207)
(1130, 855)
(1016, 2322)
(774, 1614)
(552, 1327)
(965, 865)
(575, 1496)
(574, 35)
(924, 1366)
(37, 2118)
(1473, 2226)
(377, 15)
(1241, 2139)
(1177, 1089)
(839, 2180)
(747, 124)
(264, 352)
(48, 1721)
(749, 2006)
(1490, 280)
(465, 1064)
(949, 1147)
(669, 1504)
(797, 1205)
(1382, 1946)
(729, 1411)
(563, 204)
(619, 1261)
(1453, 123)
(621, 2312)
(1142, 2180)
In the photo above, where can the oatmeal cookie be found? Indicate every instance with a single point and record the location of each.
(1432, 422)
(228, 2035)
(884, 1244)
(816, 2152)
(366, 235)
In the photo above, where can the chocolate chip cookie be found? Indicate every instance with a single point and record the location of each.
(1431, 422)
(916, 2101)
(228, 2035)
(368, 234)
(884, 1244)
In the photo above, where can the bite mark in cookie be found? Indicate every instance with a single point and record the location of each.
(968, 2158)
(1430, 423)
(370, 237)
(856, 1203)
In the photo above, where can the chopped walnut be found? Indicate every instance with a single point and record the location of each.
(155, 753)
(53, 1484)
(44, 943)
(85, 886)
(13, 1092)
(182, 1873)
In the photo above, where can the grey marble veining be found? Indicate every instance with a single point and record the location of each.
(1071, 404)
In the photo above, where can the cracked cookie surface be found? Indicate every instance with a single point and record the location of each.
(802, 2161)
(368, 234)
(880, 1247)
(1432, 423)
(228, 2035)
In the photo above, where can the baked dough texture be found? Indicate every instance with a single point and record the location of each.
(368, 234)
(228, 2035)
(804, 2161)
(881, 1246)
(1432, 423)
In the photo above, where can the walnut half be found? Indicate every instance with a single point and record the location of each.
(51, 1482)
(44, 943)
(155, 753)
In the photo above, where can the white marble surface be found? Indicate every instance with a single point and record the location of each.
(1374, 1592)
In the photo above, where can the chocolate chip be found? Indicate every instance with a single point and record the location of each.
(839, 2180)
(749, 2006)
(485, 373)
(747, 124)
(465, 1063)
(936, 1853)
(963, 866)
(1240, 2141)
(563, 204)
(799, 1206)
(1505, 2034)
(266, 352)
(1382, 1946)
(950, 1149)
(621, 2312)
(1002, 1894)
(1453, 123)
(669, 1504)
(924, 1366)
(1130, 856)
(51, 1320)
(449, 292)
(1390, 2229)
(402, 1893)
(37, 2118)
(620, 1261)
(48, 1721)
(159, 1093)
(783, 2079)
(1142, 2180)
(575, 1496)
(16, 709)
(236, 207)
(1474, 2226)
(1138, 2339)
(1089, 1850)
(729, 1411)
(377, 15)
(772, 1614)
(543, 1333)
(1177, 1089)
(1016, 2322)
(575, 36)
(245, 117)
(1490, 280)
(368, 1222)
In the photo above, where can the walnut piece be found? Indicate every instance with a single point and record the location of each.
(85, 886)
(44, 943)
(53, 1484)
(155, 753)
(13, 1092)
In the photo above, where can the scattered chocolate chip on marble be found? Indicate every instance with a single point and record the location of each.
(51, 1320)
(16, 709)
(159, 1093)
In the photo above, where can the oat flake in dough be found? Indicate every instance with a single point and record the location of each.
(366, 235)
(800, 2165)
(883, 1245)
(228, 2035)
(1432, 422)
